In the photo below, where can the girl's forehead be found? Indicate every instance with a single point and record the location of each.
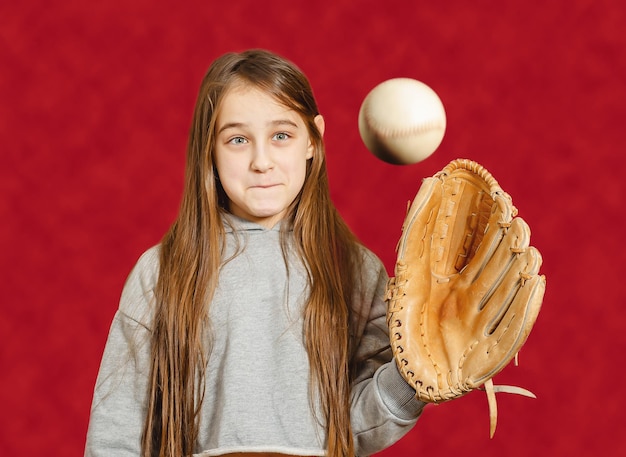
(243, 90)
(246, 101)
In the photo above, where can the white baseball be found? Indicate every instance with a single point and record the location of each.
(402, 121)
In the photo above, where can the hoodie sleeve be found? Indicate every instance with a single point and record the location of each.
(383, 404)
(119, 403)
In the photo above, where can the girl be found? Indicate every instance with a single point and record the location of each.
(257, 326)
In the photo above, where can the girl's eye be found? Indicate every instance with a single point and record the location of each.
(281, 136)
(238, 140)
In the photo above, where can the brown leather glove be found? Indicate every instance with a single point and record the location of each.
(467, 289)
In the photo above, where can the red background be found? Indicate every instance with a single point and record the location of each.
(95, 106)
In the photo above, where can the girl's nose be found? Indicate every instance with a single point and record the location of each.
(261, 159)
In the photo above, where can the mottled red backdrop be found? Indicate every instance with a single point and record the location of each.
(95, 104)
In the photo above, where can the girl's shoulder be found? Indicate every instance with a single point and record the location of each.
(138, 293)
(371, 263)
(371, 275)
(146, 270)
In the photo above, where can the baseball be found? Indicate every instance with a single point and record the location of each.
(402, 121)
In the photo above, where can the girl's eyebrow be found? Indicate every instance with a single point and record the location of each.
(230, 125)
(279, 122)
(275, 123)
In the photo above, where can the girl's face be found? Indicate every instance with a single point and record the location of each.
(261, 153)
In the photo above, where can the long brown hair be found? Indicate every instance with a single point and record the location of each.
(191, 255)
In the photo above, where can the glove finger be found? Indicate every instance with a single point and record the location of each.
(488, 242)
(507, 318)
(496, 288)
(407, 292)
(527, 299)
(414, 278)
(513, 329)
(510, 290)
(485, 278)
(421, 215)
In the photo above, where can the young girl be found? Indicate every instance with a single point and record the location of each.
(257, 326)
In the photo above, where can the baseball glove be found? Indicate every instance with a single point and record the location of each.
(467, 289)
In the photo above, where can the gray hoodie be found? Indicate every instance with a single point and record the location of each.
(257, 378)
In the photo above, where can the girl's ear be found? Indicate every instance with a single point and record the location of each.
(321, 125)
